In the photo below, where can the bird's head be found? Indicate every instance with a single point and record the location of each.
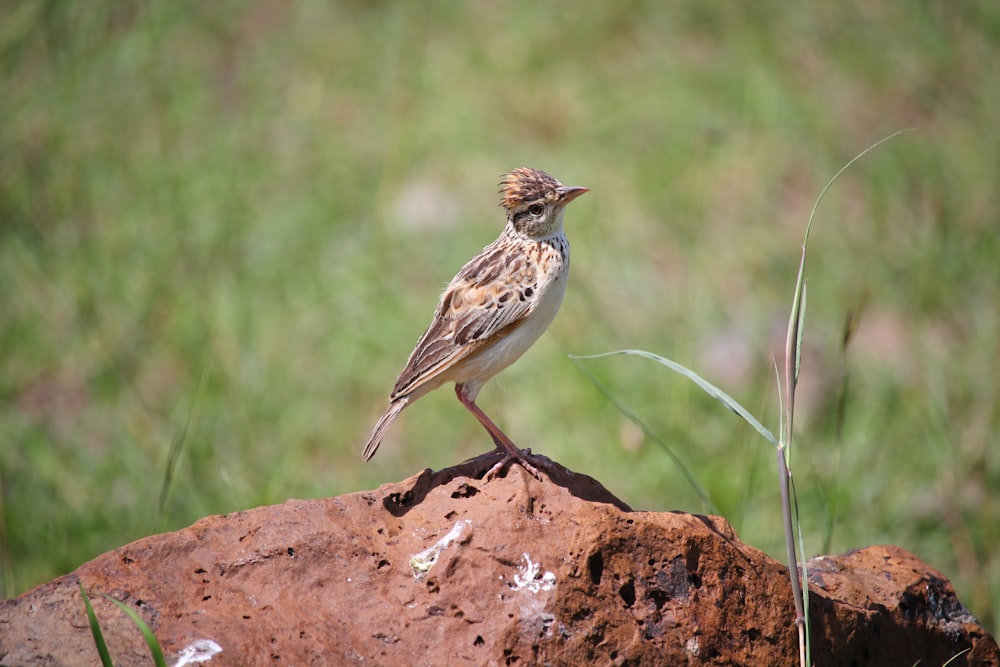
(534, 201)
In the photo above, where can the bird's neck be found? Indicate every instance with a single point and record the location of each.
(553, 231)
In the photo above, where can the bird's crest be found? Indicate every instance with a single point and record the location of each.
(525, 184)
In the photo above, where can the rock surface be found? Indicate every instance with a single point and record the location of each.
(444, 568)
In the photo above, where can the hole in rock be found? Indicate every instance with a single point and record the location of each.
(627, 593)
(465, 491)
(595, 565)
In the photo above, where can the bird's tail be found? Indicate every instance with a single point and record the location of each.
(383, 425)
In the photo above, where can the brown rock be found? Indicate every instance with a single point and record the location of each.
(444, 568)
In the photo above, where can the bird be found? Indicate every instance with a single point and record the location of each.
(494, 309)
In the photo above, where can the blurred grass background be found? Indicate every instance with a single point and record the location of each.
(223, 226)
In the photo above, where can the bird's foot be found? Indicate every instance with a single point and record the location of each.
(521, 458)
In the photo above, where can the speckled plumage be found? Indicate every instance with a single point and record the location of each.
(496, 307)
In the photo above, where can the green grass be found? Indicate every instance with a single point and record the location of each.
(156, 652)
(223, 226)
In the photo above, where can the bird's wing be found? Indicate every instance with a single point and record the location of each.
(489, 298)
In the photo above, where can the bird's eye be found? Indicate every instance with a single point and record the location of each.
(536, 209)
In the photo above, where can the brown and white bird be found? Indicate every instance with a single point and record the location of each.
(497, 306)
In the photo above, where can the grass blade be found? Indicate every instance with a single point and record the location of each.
(847, 166)
(705, 385)
(796, 319)
(649, 433)
(799, 331)
(956, 657)
(177, 445)
(95, 630)
(147, 634)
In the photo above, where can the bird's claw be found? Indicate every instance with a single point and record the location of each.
(521, 460)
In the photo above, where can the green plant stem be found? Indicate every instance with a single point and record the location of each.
(793, 566)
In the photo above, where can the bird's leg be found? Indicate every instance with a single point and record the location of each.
(509, 449)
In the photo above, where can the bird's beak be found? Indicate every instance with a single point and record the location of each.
(566, 195)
